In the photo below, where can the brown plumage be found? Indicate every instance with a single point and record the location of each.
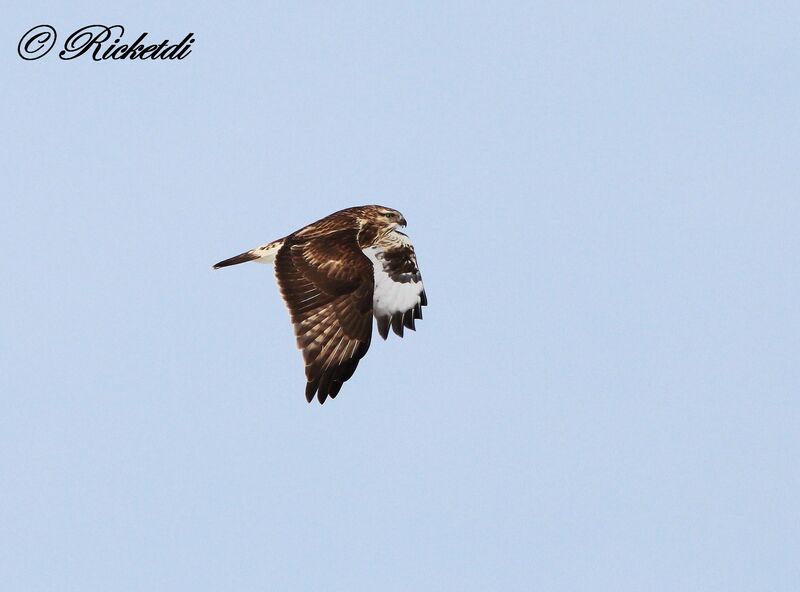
(336, 274)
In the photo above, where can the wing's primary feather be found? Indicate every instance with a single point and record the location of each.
(327, 284)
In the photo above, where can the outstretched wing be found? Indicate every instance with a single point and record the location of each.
(399, 294)
(327, 284)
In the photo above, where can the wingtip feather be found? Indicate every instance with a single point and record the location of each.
(383, 327)
(397, 324)
(311, 390)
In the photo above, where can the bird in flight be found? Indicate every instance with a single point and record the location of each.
(336, 274)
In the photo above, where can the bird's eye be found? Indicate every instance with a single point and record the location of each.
(388, 214)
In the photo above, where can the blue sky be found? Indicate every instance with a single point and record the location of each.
(603, 393)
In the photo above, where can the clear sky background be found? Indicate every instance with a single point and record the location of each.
(603, 395)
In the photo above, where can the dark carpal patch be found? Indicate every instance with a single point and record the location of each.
(401, 266)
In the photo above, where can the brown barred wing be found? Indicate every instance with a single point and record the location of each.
(327, 284)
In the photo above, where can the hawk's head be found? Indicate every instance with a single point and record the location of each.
(386, 217)
(374, 222)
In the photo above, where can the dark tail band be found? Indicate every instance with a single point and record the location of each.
(243, 258)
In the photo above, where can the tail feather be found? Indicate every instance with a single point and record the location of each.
(242, 258)
(263, 254)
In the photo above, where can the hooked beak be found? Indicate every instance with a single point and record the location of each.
(402, 222)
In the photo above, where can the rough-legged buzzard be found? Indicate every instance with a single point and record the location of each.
(335, 275)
